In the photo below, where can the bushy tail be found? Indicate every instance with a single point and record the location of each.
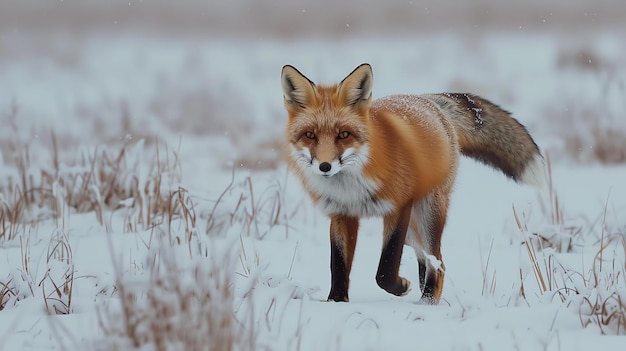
(490, 135)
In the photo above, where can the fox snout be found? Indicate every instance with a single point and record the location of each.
(325, 167)
(311, 163)
(318, 162)
(350, 159)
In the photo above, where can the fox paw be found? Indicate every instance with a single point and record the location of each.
(407, 286)
(398, 287)
(427, 300)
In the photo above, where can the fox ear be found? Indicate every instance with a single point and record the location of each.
(356, 88)
(297, 89)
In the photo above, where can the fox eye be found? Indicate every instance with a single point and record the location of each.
(309, 135)
(343, 135)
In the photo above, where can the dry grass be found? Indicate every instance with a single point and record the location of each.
(177, 306)
(558, 234)
(56, 285)
(175, 309)
(251, 211)
(185, 300)
(598, 294)
(603, 294)
(489, 280)
(95, 181)
(14, 288)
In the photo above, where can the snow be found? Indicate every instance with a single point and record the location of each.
(212, 101)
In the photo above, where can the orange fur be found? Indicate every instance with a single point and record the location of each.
(425, 159)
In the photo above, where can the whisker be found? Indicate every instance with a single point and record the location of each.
(303, 159)
(352, 159)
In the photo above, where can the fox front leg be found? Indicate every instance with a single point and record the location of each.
(343, 234)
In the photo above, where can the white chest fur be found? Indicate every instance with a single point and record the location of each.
(349, 193)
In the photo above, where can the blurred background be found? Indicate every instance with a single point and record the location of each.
(208, 71)
(307, 18)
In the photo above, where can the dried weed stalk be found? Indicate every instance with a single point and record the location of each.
(177, 308)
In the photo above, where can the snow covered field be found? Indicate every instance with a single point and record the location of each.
(144, 204)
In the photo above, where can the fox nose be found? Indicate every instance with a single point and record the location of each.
(325, 166)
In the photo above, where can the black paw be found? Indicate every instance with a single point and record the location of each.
(337, 297)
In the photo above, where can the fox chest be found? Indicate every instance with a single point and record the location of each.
(349, 194)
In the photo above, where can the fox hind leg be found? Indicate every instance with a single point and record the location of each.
(429, 276)
(421, 266)
(427, 222)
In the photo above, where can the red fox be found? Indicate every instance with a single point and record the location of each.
(395, 157)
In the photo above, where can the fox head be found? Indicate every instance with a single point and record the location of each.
(327, 128)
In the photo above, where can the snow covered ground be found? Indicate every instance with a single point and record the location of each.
(248, 260)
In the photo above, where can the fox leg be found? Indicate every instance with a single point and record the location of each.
(395, 227)
(426, 228)
(414, 239)
(433, 279)
(421, 267)
(343, 234)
